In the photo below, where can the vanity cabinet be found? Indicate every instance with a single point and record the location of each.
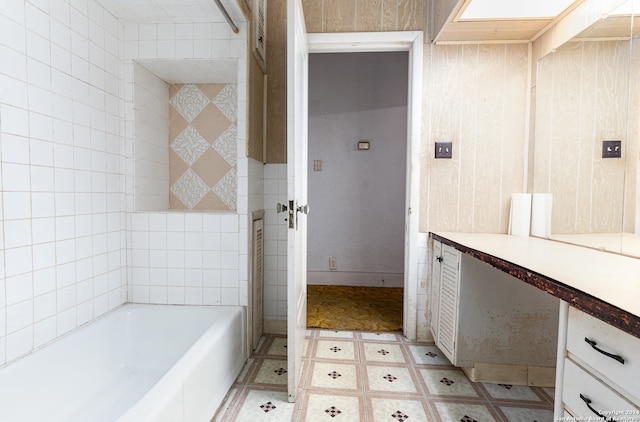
(601, 370)
(488, 323)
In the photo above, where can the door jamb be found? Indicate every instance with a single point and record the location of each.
(411, 41)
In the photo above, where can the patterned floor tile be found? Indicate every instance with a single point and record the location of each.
(380, 352)
(334, 376)
(278, 347)
(380, 337)
(520, 414)
(268, 406)
(375, 384)
(389, 379)
(427, 355)
(330, 407)
(511, 392)
(462, 412)
(336, 334)
(335, 349)
(272, 372)
(397, 409)
(447, 382)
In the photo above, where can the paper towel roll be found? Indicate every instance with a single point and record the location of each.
(541, 207)
(520, 214)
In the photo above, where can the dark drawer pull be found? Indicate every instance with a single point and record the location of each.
(593, 344)
(588, 403)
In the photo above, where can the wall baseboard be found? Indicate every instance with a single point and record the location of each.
(344, 278)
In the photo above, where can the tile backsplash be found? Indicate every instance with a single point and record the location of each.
(203, 140)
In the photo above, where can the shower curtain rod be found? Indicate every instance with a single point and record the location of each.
(227, 17)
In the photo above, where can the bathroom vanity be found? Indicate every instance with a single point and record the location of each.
(598, 320)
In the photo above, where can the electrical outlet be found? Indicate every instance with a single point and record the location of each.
(333, 264)
(317, 165)
(611, 149)
(444, 150)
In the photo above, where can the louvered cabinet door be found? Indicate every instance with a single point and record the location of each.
(436, 274)
(449, 302)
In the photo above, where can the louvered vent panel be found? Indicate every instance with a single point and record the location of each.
(257, 281)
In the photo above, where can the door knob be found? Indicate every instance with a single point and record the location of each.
(281, 208)
(303, 209)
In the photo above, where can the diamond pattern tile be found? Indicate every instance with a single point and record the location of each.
(204, 142)
(227, 188)
(227, 145)
(189, 145)
(189, 188)
(226, 101)
(189, 101)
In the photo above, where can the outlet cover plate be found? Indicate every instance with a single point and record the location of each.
(611, 149)
(444, 150)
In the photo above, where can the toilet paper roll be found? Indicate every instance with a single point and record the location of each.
(520, 214)
(541, 207)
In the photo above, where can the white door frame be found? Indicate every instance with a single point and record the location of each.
(411, 41)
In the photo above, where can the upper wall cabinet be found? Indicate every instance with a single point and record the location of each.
(259, 11)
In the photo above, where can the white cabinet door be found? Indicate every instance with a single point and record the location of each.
(436, 274)
(449, 298)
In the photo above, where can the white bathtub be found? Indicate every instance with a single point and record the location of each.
(137, 363)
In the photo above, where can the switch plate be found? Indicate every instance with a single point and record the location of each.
(444, 150)
(611, 149)
(317, 165)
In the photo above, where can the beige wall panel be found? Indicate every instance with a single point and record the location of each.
(368, 15)
(389, 15)
(612, 106)
(565, 136)
(445, 105)
(514, 124)
(277, 82)
(587, 123)
(313, 15)
(491, 91)
(544, 107)
(466, 145)
(412, 15)
(339, 16)
(632, 146)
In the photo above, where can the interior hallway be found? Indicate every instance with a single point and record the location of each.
(362, 376)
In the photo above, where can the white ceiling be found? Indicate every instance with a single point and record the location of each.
(180, 11)
(193, 71)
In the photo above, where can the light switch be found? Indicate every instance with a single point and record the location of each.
(317, 165)
(444, 150)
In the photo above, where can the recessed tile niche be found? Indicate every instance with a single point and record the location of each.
(185, 139)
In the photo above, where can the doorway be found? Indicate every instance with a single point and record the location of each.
(358, 105)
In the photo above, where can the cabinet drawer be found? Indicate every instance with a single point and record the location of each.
(611, 340)
(578, 382)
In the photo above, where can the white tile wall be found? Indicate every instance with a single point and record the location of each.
(151, 151)
(212, 269)
(185, 258)
(275, 243)
(63, 250)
